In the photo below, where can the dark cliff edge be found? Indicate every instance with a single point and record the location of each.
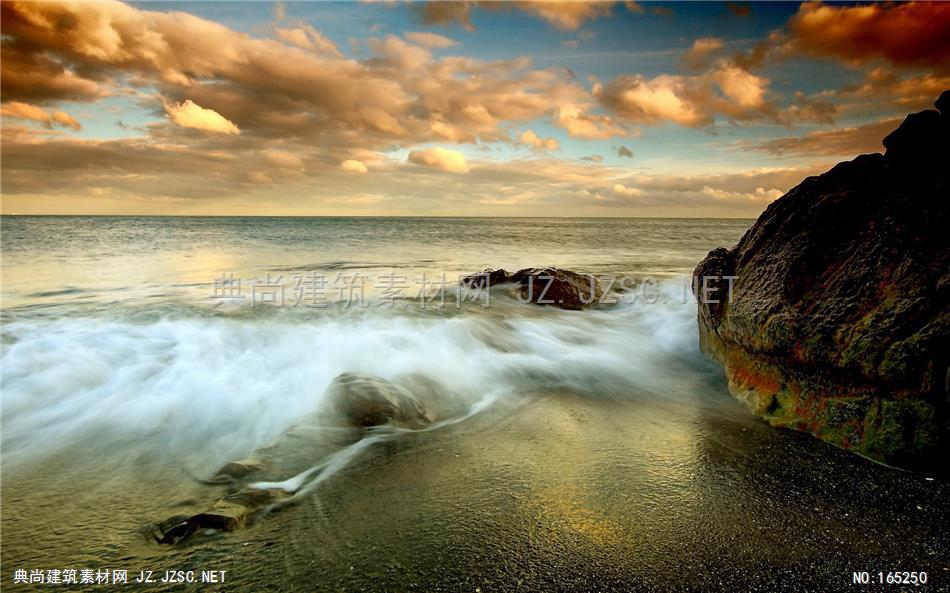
(839, 318)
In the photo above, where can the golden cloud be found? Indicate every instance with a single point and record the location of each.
(440, 158)
(561, 14)
(848, 141)
(354, 166)
(697, 57)
(285, 89)
(536, 143)
(305, 36)
(726, 90)
(20, 110)
(191, 115)
(915, 34)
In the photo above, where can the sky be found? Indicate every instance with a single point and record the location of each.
(470, 108)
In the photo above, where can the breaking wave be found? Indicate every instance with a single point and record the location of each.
(213, 389)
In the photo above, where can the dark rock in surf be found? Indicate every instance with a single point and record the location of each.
(488, 278)
(544, 286)
(227, 514)
(839, 319)
(364, 401)
(559, 288)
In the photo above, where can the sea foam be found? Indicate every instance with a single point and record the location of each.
(216, 387)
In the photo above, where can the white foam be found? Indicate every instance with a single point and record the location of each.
(220, 387)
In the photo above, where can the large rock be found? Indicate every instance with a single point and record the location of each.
(365, 401)
(544, 286)
(839, 319)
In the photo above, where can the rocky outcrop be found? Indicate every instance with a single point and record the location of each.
(544, 286)
(839, 319)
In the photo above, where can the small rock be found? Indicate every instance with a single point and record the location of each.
(488, 278)
(365, 400)
(227, 514)
(240, 468)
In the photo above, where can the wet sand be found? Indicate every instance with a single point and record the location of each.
(554, 492)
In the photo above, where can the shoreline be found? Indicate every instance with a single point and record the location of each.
(558, 492)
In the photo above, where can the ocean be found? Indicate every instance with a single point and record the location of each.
(594, 447)
(171, 322)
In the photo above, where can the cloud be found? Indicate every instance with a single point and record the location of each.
(737, 192)
(66, 120)
(19, 110)
(698, 56)
(440, 158)
(913, 34)
(623, 190)
(444, 13)
(306, 37)
(283, 159)
(354, 166)
(807, 109)
(849, 141)
(885, 90)
(580, 124)
(651, 101)
(213, 174)
(430, 40)
(28, 76)
(397, 53)
(727, 91)
(566, 15)
(740, 86)
(623, 151)
(258, 177)
(538, 144)
(191, 115)
(304, 112)
(269, 89)
(25, 111)
(634, 6)
(739, 9)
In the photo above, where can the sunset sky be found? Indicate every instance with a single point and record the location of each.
(527, 108)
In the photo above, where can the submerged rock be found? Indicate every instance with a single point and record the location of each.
(839, 318)
(227, 514)
(238, 469)
(364, 401)
(544, 286)
(353, 400)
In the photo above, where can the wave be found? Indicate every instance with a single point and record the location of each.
(213, 389)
